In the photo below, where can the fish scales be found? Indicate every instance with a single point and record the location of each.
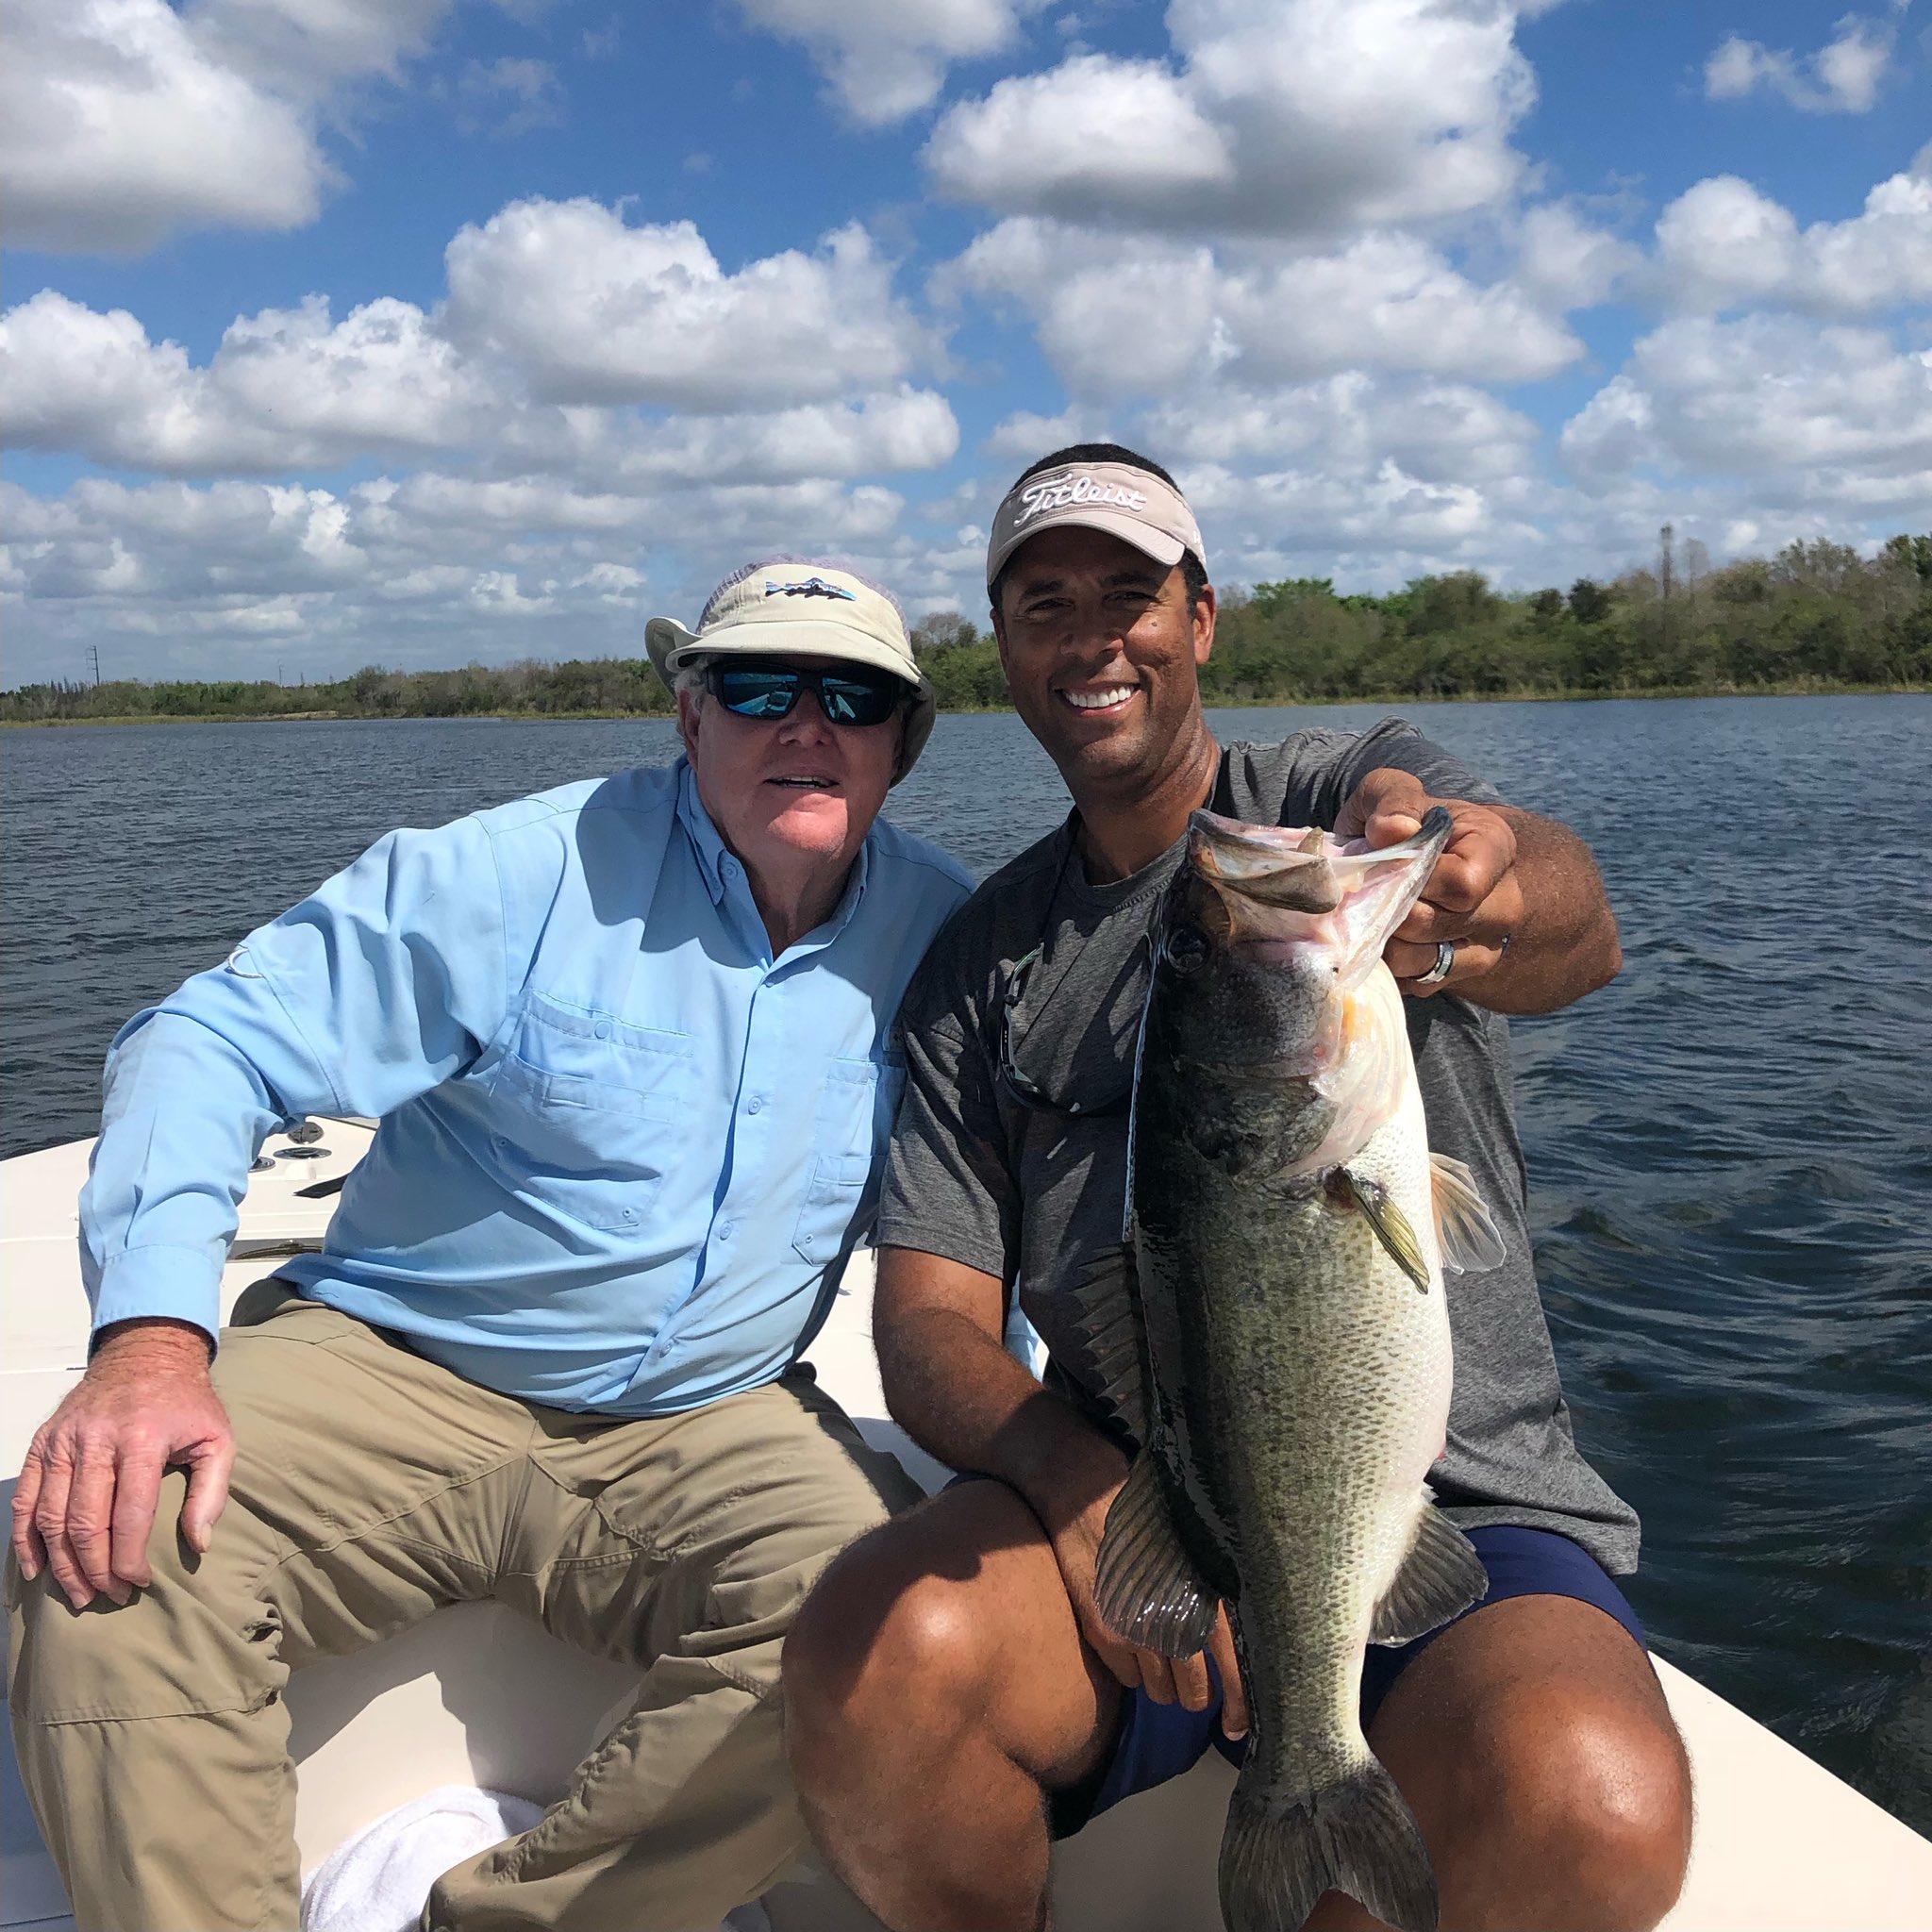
(1286, 1277)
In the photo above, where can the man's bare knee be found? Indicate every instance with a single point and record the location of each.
(879, 1636)
(1588, 1786)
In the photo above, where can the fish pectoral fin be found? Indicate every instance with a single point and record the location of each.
(1439, 1578)
(1391, 1224)
(1470, 1238)
(1146, 1586)
(1281, 1851)
(1109, 1331)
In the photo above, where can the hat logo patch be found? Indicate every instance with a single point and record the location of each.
(1056, 493)
(811, 587)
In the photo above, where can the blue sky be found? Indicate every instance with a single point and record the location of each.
(601, 302)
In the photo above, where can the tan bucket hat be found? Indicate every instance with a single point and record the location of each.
(792, 610)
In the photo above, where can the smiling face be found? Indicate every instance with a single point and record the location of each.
(1102, 650)
(789, 792)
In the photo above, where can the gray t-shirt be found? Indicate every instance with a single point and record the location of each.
(1029, 1195)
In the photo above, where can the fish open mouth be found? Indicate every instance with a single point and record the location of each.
(1285, 886)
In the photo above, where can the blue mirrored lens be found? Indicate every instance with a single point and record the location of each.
(760, 693)
(849, 702)
(771, 691)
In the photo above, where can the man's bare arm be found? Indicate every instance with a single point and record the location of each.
(951, 1385)
(939, 1330)
(1517, 895)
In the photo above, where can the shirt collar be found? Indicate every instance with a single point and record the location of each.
(713, 855)
(705, 842)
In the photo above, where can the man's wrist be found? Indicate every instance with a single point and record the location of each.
(1063, 1462)
(158, 1337)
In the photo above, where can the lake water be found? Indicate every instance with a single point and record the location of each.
(1730, 1157)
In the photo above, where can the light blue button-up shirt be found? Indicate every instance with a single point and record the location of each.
(620, 1142)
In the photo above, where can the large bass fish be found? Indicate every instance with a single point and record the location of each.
(1278, 1343)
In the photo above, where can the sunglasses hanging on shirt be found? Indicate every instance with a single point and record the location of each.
(769, 689)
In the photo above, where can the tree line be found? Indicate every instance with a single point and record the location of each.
(1816, 616)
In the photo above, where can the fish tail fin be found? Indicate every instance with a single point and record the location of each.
(1278, 1856)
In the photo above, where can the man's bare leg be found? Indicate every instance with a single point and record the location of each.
(934, 1682)
(1535, 1746)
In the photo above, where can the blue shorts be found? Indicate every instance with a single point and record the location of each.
(1159, 1742)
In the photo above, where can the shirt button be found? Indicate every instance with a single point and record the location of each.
(727, 1230)
(603, 1030)
(630, 1213)
(758, 1106)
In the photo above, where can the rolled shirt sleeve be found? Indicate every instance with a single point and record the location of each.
(379, 987)
(948, 1188)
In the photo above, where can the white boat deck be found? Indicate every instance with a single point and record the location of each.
(1781, 1845)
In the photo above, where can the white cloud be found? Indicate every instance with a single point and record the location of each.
(307, 48)
(507, 97)
(1722, 245)
(1565, 264)
(1093, 135)
(1805, 413)
(286, 388)
(294, 390)
(1025, 437)
(594, 311)
(123, 121)
(1278, 116)
(172, 577)
(1352, 424)
(119, 127)
(887, 59)
(1842, 77)
(1120, 323)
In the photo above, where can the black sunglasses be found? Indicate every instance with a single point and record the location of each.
(1021, 1085)
(768, 689)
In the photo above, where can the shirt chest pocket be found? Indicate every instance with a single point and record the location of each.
(850, 1130)
(592, 1111)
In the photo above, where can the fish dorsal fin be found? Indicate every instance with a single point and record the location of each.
(1439, 1578)
(1109, 1360)
(1391, 1226)
(1468, 1233)
(1145, 1587)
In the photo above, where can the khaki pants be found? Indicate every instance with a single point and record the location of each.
(372, 1487)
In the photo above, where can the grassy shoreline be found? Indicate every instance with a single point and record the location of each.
(1787, 688)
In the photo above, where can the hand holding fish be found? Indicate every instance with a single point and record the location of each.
(1472, 900)
(1515, 895)
(1167, 1680)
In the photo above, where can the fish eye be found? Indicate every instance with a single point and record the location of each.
(1185, 949)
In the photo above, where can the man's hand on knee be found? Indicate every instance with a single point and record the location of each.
(87, 1495)
(1075, 1510)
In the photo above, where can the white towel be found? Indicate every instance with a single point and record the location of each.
(380, 1879)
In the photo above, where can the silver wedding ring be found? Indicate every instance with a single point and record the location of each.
(1445, 959)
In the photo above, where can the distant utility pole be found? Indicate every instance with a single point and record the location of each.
(94, 652)
(1666, 570)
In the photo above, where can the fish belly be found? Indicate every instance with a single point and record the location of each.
(1307, 1388)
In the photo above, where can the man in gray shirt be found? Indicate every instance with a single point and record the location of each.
(955, 1700)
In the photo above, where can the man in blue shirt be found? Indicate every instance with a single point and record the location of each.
(629, 1044)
